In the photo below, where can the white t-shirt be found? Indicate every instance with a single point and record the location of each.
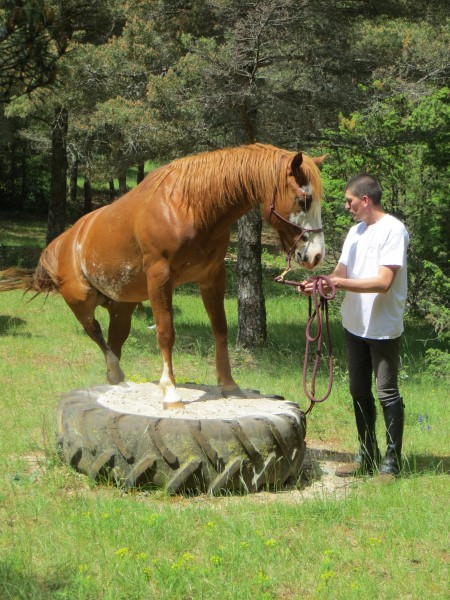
(366, 248)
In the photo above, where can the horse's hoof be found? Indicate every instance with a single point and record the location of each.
(114, 381)
(115, 378)
(173, 405)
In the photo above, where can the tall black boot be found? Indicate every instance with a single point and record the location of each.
(368, 457)
(394, 418)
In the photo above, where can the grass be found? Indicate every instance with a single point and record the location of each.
(63, 537)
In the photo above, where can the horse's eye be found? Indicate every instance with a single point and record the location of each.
(301, 203)
(304, 202)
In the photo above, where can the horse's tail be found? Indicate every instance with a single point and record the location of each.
(16, 279)
(44, 278)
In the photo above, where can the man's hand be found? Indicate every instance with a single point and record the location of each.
(305, 287)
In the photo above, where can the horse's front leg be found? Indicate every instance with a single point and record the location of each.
(213, 294)
(160, 296)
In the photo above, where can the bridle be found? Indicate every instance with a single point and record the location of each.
(299, 228)
(318, 309)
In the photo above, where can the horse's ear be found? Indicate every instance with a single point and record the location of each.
(319, 160)
(296, 163)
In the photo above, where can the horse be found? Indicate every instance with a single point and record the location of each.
(174, 228)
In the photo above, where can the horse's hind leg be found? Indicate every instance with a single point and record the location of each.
(120, 314)
(84, 310)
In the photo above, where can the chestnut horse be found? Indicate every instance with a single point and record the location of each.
(171, 229)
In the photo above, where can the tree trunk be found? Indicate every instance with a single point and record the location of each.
(87, 208)
(112, 191)
(252, 329)
(252, 325)
(58, 191)
(122, 184)
(140, 173)
(14, 173)
(24, 179)
(73, 192)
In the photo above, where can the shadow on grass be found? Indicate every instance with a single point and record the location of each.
(412, 464)
(10, 325)
(287, 338)
(15, 583)
(421, 464)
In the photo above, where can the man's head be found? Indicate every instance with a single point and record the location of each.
(365, 185)
(363, 198)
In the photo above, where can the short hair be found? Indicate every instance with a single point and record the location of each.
(364, 184)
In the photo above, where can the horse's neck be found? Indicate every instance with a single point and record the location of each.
(238, 211)
(225, 214)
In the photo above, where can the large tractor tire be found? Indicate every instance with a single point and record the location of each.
(213, 445)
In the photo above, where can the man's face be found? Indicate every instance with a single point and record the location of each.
(357, 207)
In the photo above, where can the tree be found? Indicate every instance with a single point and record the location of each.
(37, 26)
(31, 43)
(264, 75)
(58, 191)
(35, 34)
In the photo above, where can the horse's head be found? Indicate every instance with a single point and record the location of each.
(295, 210)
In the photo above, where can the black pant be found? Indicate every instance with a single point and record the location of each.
(379, 357)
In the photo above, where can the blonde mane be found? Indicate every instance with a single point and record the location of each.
(210, 181)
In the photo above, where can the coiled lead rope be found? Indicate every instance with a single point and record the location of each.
(317, 313)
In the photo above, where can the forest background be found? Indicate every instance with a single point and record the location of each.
(91, 90)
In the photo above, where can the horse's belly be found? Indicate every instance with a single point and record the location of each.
(125, 283)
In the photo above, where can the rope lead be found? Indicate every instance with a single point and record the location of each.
(318, 311)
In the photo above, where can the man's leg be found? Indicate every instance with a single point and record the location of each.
(385, 358)
(360, 374)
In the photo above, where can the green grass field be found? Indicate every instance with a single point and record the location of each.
(63, 537)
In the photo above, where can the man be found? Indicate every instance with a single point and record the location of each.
(372, 271)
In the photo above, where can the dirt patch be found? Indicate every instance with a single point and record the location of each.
(318, 479)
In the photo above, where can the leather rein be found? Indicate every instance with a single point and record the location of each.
(317, 316)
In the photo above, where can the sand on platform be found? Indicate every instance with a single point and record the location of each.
(200, 402)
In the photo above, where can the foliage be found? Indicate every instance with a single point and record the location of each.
(396, 140)
(435, 302)
(438, 363)
(36, 34)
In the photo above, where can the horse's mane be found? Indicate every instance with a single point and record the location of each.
(209, 181)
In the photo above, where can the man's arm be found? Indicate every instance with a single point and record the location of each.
(379, 284)
(339, 271)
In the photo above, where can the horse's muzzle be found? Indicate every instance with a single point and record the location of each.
(307, 261)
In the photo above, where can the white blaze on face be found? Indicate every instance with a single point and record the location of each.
(310, 247)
